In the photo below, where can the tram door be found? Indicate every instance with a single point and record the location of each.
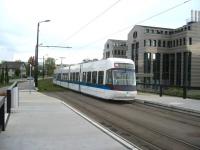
(79, 86)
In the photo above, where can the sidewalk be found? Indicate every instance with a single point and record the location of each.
(45, 123)
(189, 105)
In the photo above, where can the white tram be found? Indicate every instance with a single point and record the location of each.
(112, 78)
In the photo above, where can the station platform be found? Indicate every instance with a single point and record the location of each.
(178, 103)
(45, 123)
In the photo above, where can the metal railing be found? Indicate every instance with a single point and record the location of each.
(180, 91)
(5, 106)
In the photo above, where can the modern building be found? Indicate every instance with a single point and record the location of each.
(165, 55)
(14, 68)
(115, 48)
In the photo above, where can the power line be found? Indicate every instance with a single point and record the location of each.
(54, 46)
(93, 19)
(139, 22)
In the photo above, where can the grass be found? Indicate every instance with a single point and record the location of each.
(193, 94)
(48, 86)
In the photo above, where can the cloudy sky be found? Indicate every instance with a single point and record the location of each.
(85, 25)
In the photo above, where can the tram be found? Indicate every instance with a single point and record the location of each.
(111, 79)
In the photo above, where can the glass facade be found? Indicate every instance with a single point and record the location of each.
(178, 68)
(147, 62)
(156, 68)
(187, 68)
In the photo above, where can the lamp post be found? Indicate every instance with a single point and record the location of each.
(61, 66)
(36, 54)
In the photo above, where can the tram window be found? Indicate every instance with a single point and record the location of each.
(74, 76)
(94, 77)
(67, 76)
(84, 77)
(71, 78)
(63, 76)
(88, 77)
(100, 77)
(109, 77)
(59, 76)
(77, 76)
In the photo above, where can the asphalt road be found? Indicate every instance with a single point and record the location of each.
(146, 126)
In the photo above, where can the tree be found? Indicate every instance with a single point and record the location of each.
(31, 61)
(2, 76)
(50, 65)
(6, 75)
(17, 72)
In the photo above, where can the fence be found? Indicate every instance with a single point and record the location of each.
(7, 102)
(180, 91)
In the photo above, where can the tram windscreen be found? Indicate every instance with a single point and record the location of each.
(123, 77)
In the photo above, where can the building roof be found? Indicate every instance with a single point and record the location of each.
(114, 40)
(12, 65)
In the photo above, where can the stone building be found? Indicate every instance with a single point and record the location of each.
(165, 55)
(115, 48)
(14, 68)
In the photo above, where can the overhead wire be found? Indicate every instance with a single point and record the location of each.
(93, 19)
(139, 22)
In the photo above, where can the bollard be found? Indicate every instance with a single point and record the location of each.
(8, 101)
(161, 90)
(2, 116)
(184, 92)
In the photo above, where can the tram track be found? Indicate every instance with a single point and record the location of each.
(118, 121)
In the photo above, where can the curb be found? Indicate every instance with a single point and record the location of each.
(166, 106)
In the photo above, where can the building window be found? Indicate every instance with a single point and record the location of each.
(149, 42)
(144, 43)
(152, 31)
(163, 43)
(147, 30)
(190, 41)
(166, 32)
(177, 42)
(115, 52)
(168, 44)
(147, 62)
(107, 54)
(165, 74)
(118, 52)
(107, 46)
(159, 43)
(189, 27)
(174, 43)
(180, 42)
(154, 43)
(184, 41)
(133, 52)
(135, 34)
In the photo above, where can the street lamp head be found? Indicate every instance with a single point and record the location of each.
(44, 21)
(47, 20)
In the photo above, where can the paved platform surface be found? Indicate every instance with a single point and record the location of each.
(187, 104)
(45, 123)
